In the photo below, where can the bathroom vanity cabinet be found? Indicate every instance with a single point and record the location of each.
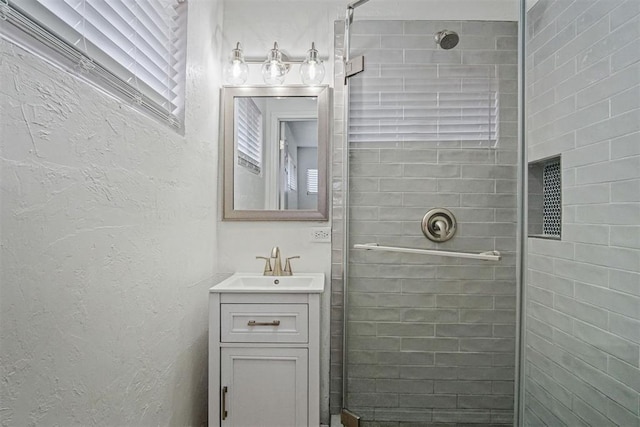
(264, 367)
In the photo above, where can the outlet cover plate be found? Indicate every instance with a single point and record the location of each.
(320, 235)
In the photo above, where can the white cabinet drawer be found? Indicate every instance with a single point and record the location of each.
(273, 323)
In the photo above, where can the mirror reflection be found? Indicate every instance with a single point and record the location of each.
(276, 152)
(276, 142)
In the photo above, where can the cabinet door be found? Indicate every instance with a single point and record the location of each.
(266, 387)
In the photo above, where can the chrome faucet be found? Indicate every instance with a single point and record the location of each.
(277, 264)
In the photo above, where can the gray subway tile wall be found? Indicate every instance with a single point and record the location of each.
(430, 340)
(582, 338)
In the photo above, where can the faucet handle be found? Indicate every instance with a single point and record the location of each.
(287, 266)
(267, 266)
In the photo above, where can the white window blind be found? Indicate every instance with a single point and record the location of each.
(249, 134)
(312, 181)
(134, 49)
(424, 109)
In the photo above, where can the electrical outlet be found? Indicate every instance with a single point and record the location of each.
(320, 235)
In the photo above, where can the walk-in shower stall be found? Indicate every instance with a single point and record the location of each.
(486, 249)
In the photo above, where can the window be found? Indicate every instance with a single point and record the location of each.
(249, 134)
(134, 49)
(426, 108)
(312, 181)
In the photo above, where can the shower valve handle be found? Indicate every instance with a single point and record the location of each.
(441, 227)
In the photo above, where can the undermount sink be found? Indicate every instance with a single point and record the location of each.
(308, 283)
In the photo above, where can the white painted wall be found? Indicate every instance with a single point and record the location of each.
(250, 193)
(108, 245)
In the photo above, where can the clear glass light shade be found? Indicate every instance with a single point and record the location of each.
(273, 69)
(312, 69)
(236, 71)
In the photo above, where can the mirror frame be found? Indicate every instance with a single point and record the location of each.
(229, 93)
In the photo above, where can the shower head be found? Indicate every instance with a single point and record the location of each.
(447, 39)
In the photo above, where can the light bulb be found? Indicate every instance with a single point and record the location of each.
(236, 71)
(312, 69)
(273, 69)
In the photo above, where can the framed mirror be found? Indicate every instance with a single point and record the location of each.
(276, 142)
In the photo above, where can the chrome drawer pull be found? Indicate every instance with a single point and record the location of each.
(224, 411)
(254, 323)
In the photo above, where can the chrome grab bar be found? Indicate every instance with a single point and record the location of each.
(485, 256)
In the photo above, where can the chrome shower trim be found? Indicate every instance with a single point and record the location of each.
(345, 195)
(345, 191)
(439, 225)
(522, 220)
(350, 8)
(356, 3)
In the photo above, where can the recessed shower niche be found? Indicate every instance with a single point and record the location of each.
(545, 198)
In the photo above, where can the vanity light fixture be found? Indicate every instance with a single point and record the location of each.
(275, 68)
(312, 69)
(236, 70)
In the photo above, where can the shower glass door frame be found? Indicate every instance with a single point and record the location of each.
(510, 296)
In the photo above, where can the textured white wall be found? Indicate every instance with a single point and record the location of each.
(108, 243)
